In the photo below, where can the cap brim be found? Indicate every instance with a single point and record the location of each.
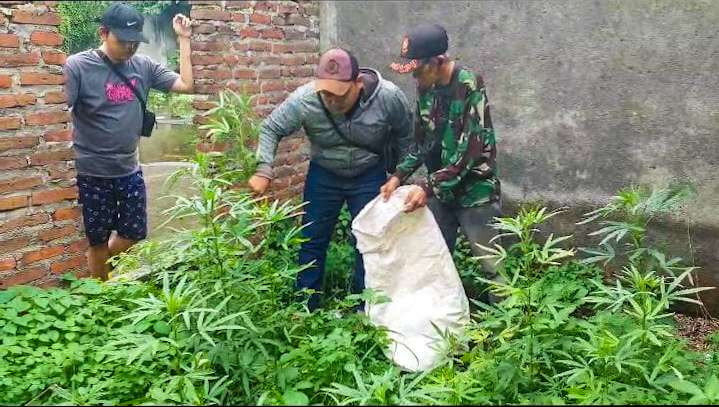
(333, 86)
(404, 67)
(128, 35)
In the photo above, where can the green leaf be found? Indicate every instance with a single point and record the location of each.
(60, 324)
(6, 296)
(295, 398)
(66, 300)
(711, 389)
(23, 320)
(69, 277)
(59, 309)
(53, 335)
(90, 287)
(162, 328)
(19, 305)
(189, 392)
(10, 328)
(686, 387)
(698, 399)
(41, 302)
(304, 385)
(142, 326)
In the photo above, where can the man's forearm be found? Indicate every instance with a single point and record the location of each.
(265, 153)
(409, 164)
(186, 65)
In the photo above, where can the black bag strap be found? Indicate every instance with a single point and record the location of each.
(339, 132)
(123, 77)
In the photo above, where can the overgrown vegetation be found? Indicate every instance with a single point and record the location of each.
(220, 323)
(173, 105)
(234, 126)
(80, 21)
(218, 320)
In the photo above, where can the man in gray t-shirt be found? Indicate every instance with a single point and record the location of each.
(107, 124)
(107, 117)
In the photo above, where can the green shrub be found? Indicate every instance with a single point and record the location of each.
(80, 21)
(234, 124)
(174, 105)
(53, 344)
(219, 322)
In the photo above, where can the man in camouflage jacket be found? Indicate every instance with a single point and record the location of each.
(454, 138)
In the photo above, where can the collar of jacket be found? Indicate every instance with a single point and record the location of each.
(370, 98)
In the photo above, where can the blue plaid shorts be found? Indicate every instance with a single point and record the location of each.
(109, 204)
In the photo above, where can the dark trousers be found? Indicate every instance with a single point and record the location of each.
(325, 193)
(475, 225)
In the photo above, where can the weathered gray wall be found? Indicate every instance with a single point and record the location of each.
(587, 96)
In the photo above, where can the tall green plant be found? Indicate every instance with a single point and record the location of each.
(633, 209)
(562, 335)
(522, 283)
(234, 124)
(234, 301)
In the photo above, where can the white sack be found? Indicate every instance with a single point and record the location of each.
(407, 260)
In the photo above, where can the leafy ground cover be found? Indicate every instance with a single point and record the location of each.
(217, 320)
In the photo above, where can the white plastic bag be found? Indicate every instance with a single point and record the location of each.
(407, 260)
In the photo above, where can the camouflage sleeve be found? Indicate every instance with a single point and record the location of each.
(412, 153)
(401, 122)
(475, 150)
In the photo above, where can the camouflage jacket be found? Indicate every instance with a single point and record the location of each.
(454, 138)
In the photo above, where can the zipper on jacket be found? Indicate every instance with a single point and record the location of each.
(351, 150)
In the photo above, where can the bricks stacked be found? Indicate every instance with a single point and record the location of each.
(40, 224)
(263, 48)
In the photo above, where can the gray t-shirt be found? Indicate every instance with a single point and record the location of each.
(107, 117)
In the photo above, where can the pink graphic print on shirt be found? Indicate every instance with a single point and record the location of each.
(118, 93)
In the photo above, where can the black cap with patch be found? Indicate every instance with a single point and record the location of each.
(124, 21)
(423, 41)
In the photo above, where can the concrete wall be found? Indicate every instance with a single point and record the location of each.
(587, 96)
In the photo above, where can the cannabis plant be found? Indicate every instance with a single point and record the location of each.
(233, 124)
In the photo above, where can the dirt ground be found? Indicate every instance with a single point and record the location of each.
(697, 330)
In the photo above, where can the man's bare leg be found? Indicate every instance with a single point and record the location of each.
(119, 244)
(97, 257)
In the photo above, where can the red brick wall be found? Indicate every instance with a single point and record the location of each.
(40, 226)
(264, 48)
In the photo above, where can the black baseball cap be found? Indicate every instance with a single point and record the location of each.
(124, 21)
(422, 41)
